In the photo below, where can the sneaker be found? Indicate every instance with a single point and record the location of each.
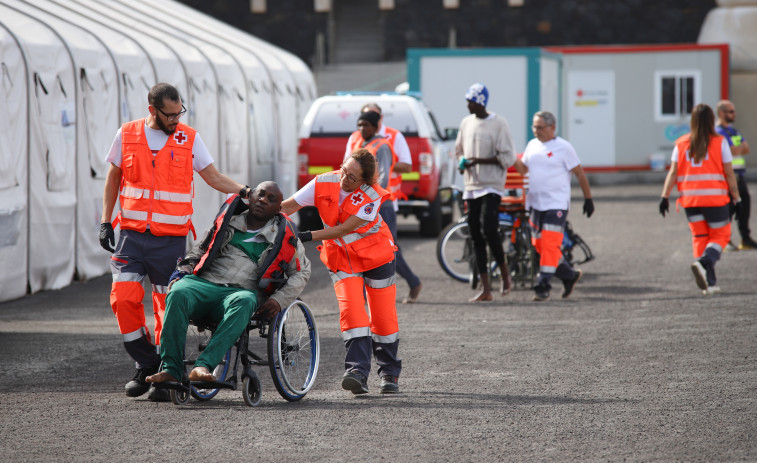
(541, 295)
(412, 296)
(389, 385)
(138, 386)
(570, 284)
(747, 245)
(711, 290)
(700, 274)
(730, 247)
(355, 382)
(158, 395)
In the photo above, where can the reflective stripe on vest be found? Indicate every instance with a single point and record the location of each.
(395, 179)
(701, 184)
(156, 190)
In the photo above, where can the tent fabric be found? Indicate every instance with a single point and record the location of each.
(14, 199)
(72, 71)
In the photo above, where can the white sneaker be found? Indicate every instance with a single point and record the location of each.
(700, 274)
(711, 290)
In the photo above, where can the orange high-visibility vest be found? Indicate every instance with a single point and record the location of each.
(702, 184)
(394, 185)
(156, 190)
(365, 248)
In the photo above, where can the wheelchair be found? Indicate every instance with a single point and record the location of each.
(293, 355)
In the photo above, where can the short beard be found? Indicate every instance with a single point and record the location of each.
(163, 127)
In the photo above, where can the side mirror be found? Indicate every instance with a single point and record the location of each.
(450, 133)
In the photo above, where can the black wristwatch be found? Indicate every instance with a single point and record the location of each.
(245, 192)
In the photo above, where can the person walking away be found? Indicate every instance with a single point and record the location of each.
(224, 279)
(150, 174)
(701, 168)
(549, 160)
(358, 251)
(403, 164)
(484, 150)
(739, 148)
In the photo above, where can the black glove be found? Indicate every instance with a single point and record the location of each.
(107, 237)
(737, 209)
(664, 206)
(588, 207)
(305, 236)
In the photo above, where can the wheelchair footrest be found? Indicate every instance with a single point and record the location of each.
(214, 384)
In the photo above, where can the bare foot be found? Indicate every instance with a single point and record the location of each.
(161, 377)
(201, 374)
(413, 295)
(506, 285)
(483, 296)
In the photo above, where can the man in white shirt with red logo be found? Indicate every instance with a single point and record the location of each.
(549, 161)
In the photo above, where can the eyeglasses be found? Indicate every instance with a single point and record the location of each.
(173, 116)
(350, 178)
(539, 127)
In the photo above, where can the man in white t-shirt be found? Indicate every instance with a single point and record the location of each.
(549, 160)
(151, 169)
(403, 165)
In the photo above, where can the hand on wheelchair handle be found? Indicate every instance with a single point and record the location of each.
(107, 237)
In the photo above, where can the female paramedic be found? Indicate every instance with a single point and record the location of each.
(358, 250)
(701, 168)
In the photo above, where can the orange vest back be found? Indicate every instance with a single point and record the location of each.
(365, 248)
(701, 184)
(394, 185)
(156, 190)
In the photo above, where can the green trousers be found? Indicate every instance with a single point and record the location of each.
(193, 298)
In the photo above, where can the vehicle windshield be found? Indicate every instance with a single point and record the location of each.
(339, 118)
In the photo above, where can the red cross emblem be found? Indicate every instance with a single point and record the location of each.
(357, 198)
(179, 137)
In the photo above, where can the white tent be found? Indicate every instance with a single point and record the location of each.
(52, 142)
(95, 120)
(293, 86)
(73, 70)
(14, 157)
(197, 85)
(256, 155)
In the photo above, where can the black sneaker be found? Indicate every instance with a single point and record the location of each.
(355, 382)
(570, 284)
(389, 385)
(158, 395)
(138, 386)
(541, 292)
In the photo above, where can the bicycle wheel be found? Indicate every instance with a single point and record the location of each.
(197, 340)
(293, 351)
(454, 251)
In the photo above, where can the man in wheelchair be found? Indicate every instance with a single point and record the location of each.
(246, 263)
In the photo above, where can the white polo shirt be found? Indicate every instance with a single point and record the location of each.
(549, 165)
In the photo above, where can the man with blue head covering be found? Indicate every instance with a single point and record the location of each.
(484, 149)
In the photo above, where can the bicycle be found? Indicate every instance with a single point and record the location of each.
(454, 249)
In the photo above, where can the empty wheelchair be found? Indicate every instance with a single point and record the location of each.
(293, 354)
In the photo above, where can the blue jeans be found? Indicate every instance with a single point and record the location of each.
(390, 217)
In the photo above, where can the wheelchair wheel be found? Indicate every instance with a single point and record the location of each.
(251, 390)
(197, 340)
(454, 251)
(293, 351)
(179, 397)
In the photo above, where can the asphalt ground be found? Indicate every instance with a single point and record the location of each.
(637, 365)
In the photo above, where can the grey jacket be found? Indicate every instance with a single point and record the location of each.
(233, 267)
